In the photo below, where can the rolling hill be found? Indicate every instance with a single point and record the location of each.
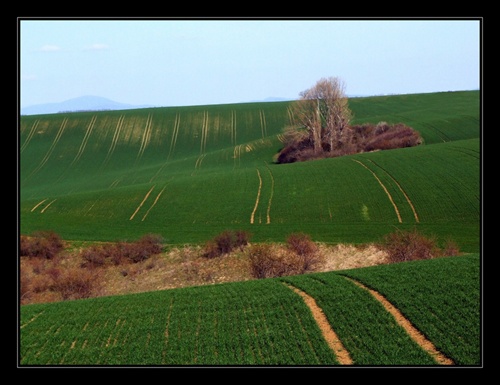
(187, 173)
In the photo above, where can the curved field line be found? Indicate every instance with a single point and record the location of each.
(30, 135)
(38, 204)
(154, 203)
(204, 132)
(52, 146)
(233, 127)
(413, 332)
(401, 189)
(116, 134)
(199, 160)
(271, 197)
(46, 207)
(290, 115)
(329, 334)
(175, 132)
(385, 189)
(85, 139)
(146, 136)
(263, 126)
(140, 205)
(115, 183)
(237, 154)
(252, 216)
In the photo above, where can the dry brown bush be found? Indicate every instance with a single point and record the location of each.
(41, 244)
(298, 257)
(404, 245)
(225, 242)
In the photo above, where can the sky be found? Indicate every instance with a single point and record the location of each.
(184, 62)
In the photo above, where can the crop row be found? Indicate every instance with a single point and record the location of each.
(265, 322)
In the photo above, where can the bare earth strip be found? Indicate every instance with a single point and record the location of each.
(329, 334)
(146, 136)
(258, 197)
(51, 149)
(233, 126)
(140, 205)
(271, 197)
(263, 124)
(175, 132)
(401, 189)
(114, 140)
(38, 204)
(290, 116)
(154, 203)
(85, 139)
(413, 332)
(385, 189)
(46, 207)
(30, 135)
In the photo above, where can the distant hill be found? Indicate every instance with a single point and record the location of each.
(82, 103)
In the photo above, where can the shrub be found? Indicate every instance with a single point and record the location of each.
(122, 252)
(451, 249)
(75, 283)
(301, 244)
(225, 242)
(306, 249)
(408, 246)
(42, 244)
(267, 261)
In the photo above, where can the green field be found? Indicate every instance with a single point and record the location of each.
(188, 173)
(264, 322)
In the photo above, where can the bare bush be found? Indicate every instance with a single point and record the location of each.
(268, 261)
(122, 252)
(42, 244)
(225, 242)
(301, 244)
(76, 283)
(409, 246)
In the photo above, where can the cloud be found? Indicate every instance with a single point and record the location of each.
(96, 47)
(49, 48)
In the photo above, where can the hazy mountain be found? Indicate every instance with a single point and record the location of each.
(82, 103)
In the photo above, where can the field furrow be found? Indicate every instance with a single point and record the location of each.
(252, 216)
(154, 203)
(142, 202)
(85, 140)
(268, 214)
(329, 334)
(146, 136)
(400, 189)
(52, 147)
(413, 332)
(114, 141)
(30, 135)
(385, 189)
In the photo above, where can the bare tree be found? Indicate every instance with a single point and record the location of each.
(323, 110)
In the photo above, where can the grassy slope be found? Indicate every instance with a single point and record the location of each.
(264, 322)
(188, 173)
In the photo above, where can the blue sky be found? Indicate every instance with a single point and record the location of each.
(178, 62)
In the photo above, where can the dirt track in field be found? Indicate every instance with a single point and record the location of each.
(329, 334)
(336, 344)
